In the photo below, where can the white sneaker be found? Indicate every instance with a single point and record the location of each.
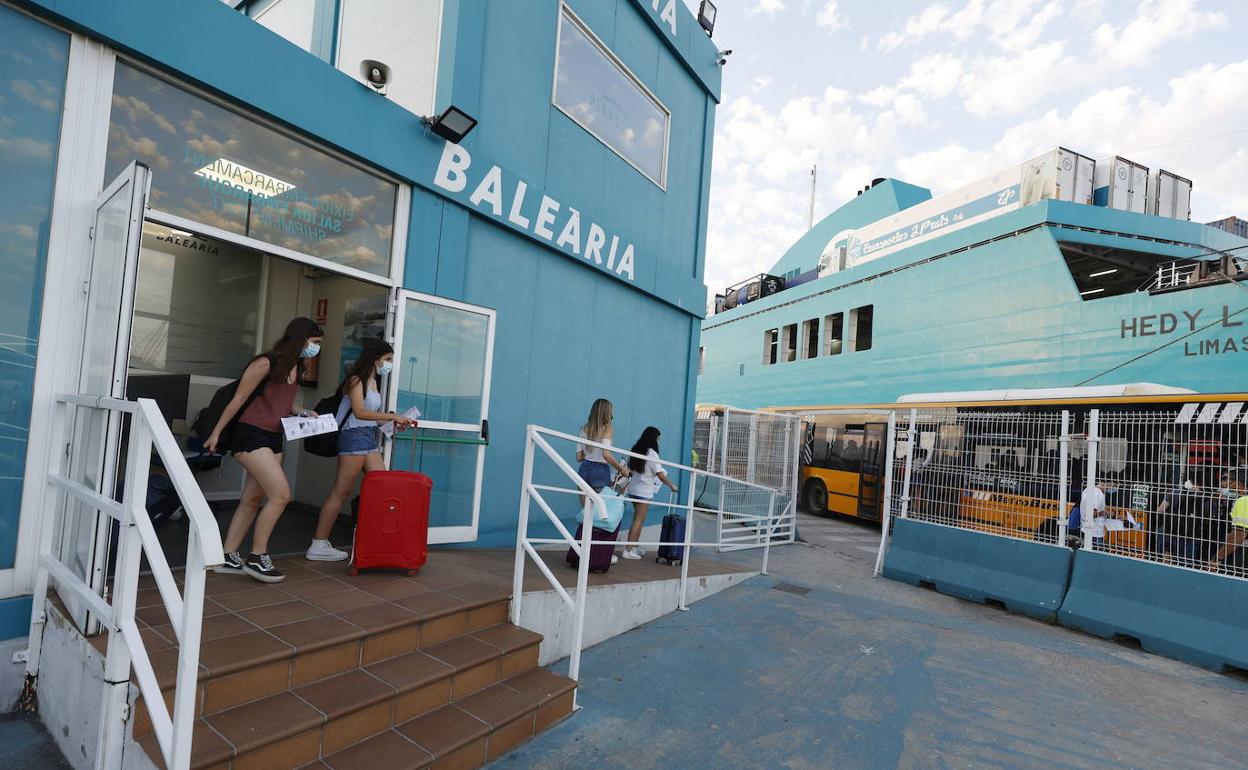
(615, 559)
(631, 553)
(321, 550)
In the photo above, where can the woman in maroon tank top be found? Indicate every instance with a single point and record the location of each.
(266, 393)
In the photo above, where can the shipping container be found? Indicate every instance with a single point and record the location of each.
(1121, 184)
(1169, 195)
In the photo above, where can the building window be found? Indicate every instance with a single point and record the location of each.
(810, 338)
(771, 346)
(790, 343)
(860, 321)
(596, 90)
(33, 69)
(834, 330)
(701, 360)
(216, 167)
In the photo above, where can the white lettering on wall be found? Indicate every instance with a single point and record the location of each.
(546, 217)
(488, 194)
(490, 189)
(452, 169)
(668, 14)
(571, 235)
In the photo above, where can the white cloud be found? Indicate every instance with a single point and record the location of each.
(759, 83)
(1011, 83)
(1156, 23)
(830, 18)
(769, 7)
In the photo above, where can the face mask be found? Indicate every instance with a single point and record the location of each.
(1110, 490)
(386, 368)
(310, 350)
(1226, 492)
(1188, 485)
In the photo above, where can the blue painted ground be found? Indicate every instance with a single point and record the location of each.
(863, 673)
(25, 744)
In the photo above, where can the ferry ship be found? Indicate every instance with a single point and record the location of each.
(1061, 272)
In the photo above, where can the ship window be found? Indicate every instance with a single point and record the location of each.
(771, 346)
(810, 338)
(860, 323)
(790, 343)
(833, 326)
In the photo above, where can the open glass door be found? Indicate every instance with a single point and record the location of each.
(109, 297)
(444, 352)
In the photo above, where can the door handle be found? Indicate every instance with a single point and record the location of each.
(485, 431)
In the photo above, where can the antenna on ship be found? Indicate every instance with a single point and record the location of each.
(810, 219)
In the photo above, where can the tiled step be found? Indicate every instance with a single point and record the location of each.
(314, 670)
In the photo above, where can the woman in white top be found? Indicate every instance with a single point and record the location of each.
(359, 438)
(648, 474)
(596, 464)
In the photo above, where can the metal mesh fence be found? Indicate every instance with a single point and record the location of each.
(754, 447)
(1166, 484)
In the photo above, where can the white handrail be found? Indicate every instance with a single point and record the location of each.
(536, 438)
(136, 540)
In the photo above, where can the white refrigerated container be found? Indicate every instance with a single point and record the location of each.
(1121, 184)
(1169, 195)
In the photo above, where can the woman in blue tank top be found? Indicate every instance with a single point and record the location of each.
(359, 438)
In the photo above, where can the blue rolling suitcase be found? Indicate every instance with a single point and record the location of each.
(673, 531)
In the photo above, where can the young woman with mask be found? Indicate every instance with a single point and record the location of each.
(359, 438)
(266, 393)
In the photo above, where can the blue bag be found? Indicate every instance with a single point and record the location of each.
(615, 510)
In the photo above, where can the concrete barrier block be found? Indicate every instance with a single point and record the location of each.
(1184, 614)
(1027, 577)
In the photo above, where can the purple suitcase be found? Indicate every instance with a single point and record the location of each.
(599, 555)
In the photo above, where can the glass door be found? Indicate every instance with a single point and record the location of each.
(109, 299)
(444, 353)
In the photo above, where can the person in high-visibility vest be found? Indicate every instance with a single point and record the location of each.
(1238, 532)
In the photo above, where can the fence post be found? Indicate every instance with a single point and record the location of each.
(1063, 479)
(522, 528)
(582, 598)
(771, 512)
(1094, 420)
(887, 502)
(906, 476)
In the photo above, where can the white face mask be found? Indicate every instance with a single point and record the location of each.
(386, 368)
(310, 350)
(1226, 491)
(1188, 485)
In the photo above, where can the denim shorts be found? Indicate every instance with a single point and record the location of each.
(358, 441)
(597, 475)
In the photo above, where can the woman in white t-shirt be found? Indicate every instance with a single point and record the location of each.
(648, 474)
(596, 464)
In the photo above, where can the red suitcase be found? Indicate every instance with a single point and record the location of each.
(392, 526)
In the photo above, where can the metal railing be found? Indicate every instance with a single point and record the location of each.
(1173, 275)
(1169, 478)
(136, 540)
(758, 508)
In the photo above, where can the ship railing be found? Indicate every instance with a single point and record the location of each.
(89, 417)
(1172, 275)
(556, 484)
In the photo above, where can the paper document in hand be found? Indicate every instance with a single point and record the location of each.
(302, 427)
(387, 428)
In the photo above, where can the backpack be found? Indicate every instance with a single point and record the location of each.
(210, 415)
(326, 444)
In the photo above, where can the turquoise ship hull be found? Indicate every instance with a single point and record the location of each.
(991, 306)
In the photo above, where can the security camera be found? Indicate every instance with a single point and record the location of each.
(376, 74)
(723, 56)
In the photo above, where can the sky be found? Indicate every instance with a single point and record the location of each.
(942, 93)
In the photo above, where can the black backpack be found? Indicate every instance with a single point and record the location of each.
(208, 417)
(326, 444)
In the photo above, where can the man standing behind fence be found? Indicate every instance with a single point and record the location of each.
(1238, 532)
(1093, 513)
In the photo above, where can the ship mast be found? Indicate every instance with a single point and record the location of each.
(810, 218)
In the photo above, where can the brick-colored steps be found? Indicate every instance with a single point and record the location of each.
(380, 670)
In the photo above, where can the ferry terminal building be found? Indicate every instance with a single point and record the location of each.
(180, 179)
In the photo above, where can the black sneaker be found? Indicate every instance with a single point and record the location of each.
(260, 567)
(233, 565)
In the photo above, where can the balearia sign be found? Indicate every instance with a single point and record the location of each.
(508, 200)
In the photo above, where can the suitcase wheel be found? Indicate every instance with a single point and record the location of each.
(413, 572)
(353, 571)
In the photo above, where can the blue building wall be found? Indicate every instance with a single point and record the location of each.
(1004, 314)
(568, 330)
